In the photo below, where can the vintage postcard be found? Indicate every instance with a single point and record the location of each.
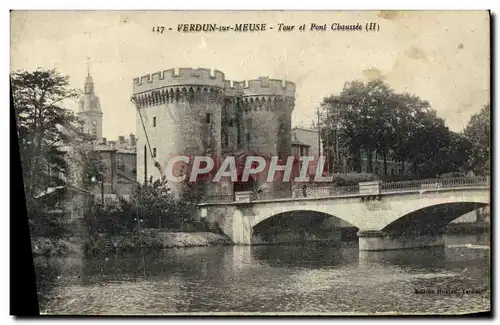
(255, 162)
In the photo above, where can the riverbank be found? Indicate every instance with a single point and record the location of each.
(154, 239)
(107, 243)
(48, 247)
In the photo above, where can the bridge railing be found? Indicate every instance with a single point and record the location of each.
(323, 191)
(437, 183)
(340, 191)
(218, 198)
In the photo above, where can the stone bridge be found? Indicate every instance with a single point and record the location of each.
(388, 216)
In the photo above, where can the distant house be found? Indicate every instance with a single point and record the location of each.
(305, 142)
(118, 167)
(66, 199)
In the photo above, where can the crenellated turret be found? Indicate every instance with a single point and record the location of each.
(198, 112)
(184, 76)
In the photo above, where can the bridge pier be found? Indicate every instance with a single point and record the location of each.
(376, 240)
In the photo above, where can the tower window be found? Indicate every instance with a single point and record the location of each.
(154, 152)
(249, 129)
(207, 118)
(225, 140)
(154, 121)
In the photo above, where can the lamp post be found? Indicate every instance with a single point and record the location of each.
(319, 134)
(100, 178)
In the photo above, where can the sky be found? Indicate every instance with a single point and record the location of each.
(443, 57)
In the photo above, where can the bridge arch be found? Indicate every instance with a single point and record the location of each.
(315, 209)
(300, 225)
(431, 218)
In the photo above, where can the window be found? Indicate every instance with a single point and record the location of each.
(134, 172)
(154, 121)
(207, 118)
(393, 172)
(249, 129)
(225, 140)
(154, 152)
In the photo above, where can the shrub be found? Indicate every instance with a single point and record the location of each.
(350, 179)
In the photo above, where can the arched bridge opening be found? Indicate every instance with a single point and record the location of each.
(301, 226)
(431, 219)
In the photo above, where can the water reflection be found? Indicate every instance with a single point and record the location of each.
(308, 255)
(432, 259)
(281, 278)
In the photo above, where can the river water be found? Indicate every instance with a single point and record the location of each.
(305, 278)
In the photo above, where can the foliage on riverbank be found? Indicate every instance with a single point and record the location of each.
(151, 206)
(152, 239)
(50, 247)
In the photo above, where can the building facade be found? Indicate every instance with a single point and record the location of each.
(116, 159)
(305, 142)
(199, 112)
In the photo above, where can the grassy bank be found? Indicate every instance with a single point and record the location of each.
(48, 247)
(153, 239)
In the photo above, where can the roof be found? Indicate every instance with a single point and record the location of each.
(126, 150)
(51, 190)
(103, 147)
(122, 175)
(299, 143)
(305, 129)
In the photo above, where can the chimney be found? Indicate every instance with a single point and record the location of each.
(121, 139)
(132, 140)
(112, 145)
(104, 140)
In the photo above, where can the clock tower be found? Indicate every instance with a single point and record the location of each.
(90, 110)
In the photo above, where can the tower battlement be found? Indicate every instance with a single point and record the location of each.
(263, 86)
(184, 76)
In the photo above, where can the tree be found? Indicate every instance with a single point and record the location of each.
(360, 118)
(407, 110)
(477, 132)
(38, 99)
(372, 118)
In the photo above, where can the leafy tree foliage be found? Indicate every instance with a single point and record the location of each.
(38, 100)
(477, 132)
(152, 205)
(372, 119)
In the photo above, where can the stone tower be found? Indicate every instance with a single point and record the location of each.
(181, 112)
(198, 112)
(265, 113)
(90, 110)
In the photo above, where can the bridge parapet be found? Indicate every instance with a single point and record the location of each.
(435, 184)
(362, 189)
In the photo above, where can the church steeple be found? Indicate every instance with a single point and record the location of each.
(90, 108)
(89, 83)
(89, 86)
